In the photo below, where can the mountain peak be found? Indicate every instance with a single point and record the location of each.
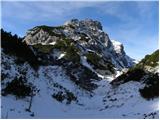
(86, 36)
(85, 23)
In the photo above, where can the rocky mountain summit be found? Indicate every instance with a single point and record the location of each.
(70, 71)
(86, 35)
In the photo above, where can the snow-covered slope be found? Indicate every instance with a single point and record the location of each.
(106, 101)
(76, 63)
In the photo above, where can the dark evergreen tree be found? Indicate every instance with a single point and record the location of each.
(13, 45)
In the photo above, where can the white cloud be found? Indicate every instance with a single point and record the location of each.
(55, 9)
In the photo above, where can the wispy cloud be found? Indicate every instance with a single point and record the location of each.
(43, 10)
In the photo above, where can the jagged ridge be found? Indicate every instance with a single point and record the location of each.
(86, 35)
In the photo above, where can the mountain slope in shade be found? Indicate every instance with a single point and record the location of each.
(146, 71)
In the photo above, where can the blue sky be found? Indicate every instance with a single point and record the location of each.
(135, 24)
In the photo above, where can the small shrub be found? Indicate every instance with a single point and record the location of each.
(96, 61)
(67, 46)
(135, 74)
(82, 76)
(71, 54)
(60, 45)
(49, 30)
(132, 75)
(70, 97)
(93, 58)
(18, 87)
(43, 48)
(151, 88)
(87, 73)
(86, 78)
(110, 67)
(60, 96)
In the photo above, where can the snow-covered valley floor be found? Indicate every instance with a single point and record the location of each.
(106, 101)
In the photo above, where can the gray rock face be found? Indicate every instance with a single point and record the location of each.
(87, 36)
(84, 23)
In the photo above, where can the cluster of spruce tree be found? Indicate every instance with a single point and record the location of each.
(13, 45)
